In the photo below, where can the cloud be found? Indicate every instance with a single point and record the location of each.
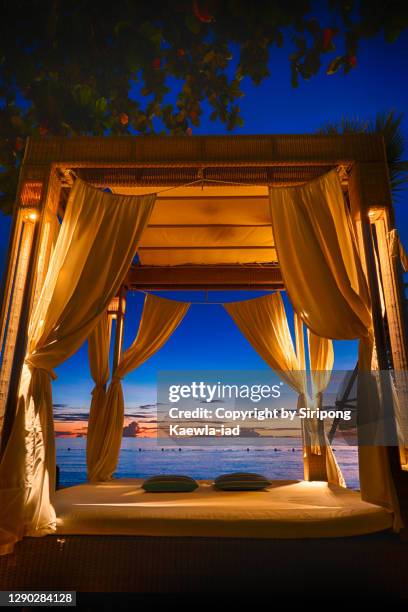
(70, 416)
(138, 415)
(63, 434)
(131, 430)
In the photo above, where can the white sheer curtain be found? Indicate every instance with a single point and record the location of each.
(323, 275)
(98, 355)
(264, 323)
(96, 244)
(160, 318)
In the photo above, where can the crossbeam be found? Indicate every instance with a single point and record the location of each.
(234, 277)
(200, 247)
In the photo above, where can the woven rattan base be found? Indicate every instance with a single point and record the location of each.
(372, 564)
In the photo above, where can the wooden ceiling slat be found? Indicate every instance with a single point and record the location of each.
(230, 277)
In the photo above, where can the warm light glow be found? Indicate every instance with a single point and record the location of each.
(31, 215)
(375, 213)
(14, 303)
(113, 306)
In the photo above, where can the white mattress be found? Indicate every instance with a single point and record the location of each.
(287, 509)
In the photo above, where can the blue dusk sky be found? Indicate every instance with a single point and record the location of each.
(207, 338)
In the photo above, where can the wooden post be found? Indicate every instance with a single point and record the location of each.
(5, 291)
(20, 347)
(36, 191)
(120, 320)
(389, 261)
(14, 300)
(372, 277)
(399, 477)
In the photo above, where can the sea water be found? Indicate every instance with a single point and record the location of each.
(144, 457)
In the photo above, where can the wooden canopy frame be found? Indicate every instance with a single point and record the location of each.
(144, 161)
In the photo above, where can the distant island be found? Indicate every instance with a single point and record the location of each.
(246, 432)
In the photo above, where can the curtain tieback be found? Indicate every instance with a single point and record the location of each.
(301, 403)
(98, 387)
(319, 400)
(32, 367)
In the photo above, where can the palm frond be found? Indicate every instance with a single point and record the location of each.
(346, 125)
(389, 125)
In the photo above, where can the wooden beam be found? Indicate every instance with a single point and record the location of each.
(202, 151)
(170, 226)
(175, 278)
(194, 247)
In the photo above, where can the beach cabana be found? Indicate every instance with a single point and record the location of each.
(308, 214)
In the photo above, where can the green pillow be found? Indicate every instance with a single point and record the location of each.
(241, 481)
(169, 483)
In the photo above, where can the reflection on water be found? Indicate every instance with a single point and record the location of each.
(142, 457)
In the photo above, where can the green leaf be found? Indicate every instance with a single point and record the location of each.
(391, 32)
(121, 25)
(208, 57)
(192, 24)
(17, 122)
(279, 39)
(101, 105)
(83, 94)
(181, 116)
(294, 76)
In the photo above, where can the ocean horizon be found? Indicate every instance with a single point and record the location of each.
(278, 459)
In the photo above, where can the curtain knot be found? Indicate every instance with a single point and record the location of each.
(301, 403)
(319, 400)
(98, 388)
(33, 367)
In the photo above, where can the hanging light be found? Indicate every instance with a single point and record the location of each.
(31, 215)
(113, 307)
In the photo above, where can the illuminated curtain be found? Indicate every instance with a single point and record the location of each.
(50, 231)
(321, 359)
(160, 318)
(98, 355)
(314, 439)
(264, 323)
(95, 247)
(309, 425)
(324, 278)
